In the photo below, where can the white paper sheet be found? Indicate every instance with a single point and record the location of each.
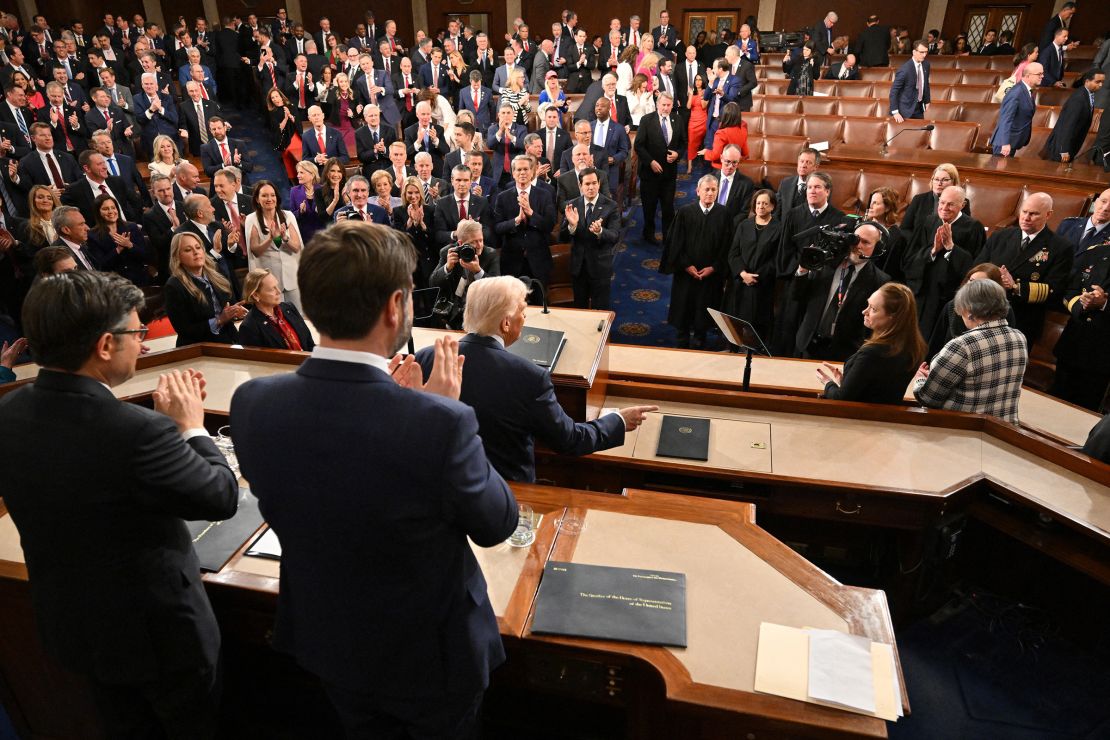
(840, 669)
(266, 546)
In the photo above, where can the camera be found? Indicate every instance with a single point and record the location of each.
(466, 253)
(830, 246)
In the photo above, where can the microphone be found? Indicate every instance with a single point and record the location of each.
(883, 149)
(532, 283)
(1073, 160)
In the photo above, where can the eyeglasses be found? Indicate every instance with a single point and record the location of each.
(141, 331)
(730, 161)
(942, 179)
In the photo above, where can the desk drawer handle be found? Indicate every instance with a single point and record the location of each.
(847, 511)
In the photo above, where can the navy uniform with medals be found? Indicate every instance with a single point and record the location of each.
(1040, 270)
(1083, 350)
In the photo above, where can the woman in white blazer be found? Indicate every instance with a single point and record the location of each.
(274, 241)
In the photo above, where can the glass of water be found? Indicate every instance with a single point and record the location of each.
(524, 535)
(225, 445)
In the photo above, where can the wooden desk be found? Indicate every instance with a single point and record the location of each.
(737, 576)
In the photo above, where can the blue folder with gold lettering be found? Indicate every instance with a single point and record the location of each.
(626, 604)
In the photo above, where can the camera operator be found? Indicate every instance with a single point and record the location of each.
(459, 266)
(831, 298)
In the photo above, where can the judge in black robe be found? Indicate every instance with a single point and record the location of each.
(697, 242)
(935, 278)
(753, 250)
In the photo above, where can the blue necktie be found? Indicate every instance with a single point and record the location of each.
(112, 165)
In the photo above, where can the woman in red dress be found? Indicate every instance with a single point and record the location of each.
(695, 131)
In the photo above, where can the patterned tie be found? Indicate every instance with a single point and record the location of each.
(202, 124)
(55, 173)
(408, 96)
(667, 136)
(62, 124)
(506, 152)
(300, 86)
(22, 123)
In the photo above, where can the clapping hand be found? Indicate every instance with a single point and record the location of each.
(922, 372)
(1007, 279)
(446, 376)
(826, 373)
(10, 353)
(1095, 298)
(572, 216)
(595, 227)
(123, 241)
(180, 395)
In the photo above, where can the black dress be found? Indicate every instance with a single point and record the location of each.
(427, 250)
(874, 376)
(753, 250)
(190, 317)
(257, 330)
(278, 136)
(133, 263)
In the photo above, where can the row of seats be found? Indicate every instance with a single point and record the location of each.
(880, 90)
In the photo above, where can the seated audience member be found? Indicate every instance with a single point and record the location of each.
(925, 204)
(1084, 232)
(514, 398)
(53, 260)
(1083, 349)
(883, 367)
(882, 206)
(949, 323)
(119, 246)
(166, 156)
(9, 353)
(981, 370)
(1098, 441)
(454, 275)
(197, 295)
(115, 584)
(271, 321)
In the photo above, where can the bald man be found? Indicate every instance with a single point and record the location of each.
(1015, 117)
(1035, 263)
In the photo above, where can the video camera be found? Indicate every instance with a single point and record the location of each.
(832, 243)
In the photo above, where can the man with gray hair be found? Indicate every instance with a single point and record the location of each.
(155, 112)
(461, 265)
(1035, 263)
(72, 233)
(513, 397)
(979, 371)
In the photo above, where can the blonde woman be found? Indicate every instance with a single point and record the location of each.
(302, 199)
(381, 183)
(274, 241)
(516, 95)
(271, 322)
(166, 156)
(42, 202)
(194, 290)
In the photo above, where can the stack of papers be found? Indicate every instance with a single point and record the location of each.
(829, 668)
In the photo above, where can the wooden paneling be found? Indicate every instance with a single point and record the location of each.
(62, 12)
(799, 14)
(439, 12)
(593, 17)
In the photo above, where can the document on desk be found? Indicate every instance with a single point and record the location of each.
(216, 542)
(266, 546)
(820, 668)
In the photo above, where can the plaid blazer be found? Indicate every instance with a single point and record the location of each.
(979, 371)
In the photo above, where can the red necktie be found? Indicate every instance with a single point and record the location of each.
(300, 95)
(273, 76)
(393, 47)
(204, 92)
(227, 155)
(475, 100)
(107, 120)
(408, 96)
(55, 173)
(320, 142)
(62, 123)
(234, 212)
(462, 210)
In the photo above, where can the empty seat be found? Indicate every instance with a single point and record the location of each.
(782, 148)
(757, 103)
(753, 170)
(782, 124)
(940, 62)
(873, 74)
(943, 110)
(907, 139)
(994, 206)
(984, 114)
(1003, 63)
(953, 136)
(823, 128)
(559, 290)
(781, 104)
(845, 195)
(775, 172)
(972, 93)
(973, 62)
(881, 92)
(775, 86)
(1053, 95)
(1045, 115)
(1036, 144)
(755, 123)
(855, 88)
(942, 76)
(755, 148)
(819, 106)
(981, 77)
(864, 131)
(865, 107)
(824, 87)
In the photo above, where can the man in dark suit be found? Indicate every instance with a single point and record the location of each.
(73, 234)
(743, 71)
(1071, 127)
(592, 226)
(1035, 264)
(300, 88)
(433, 73)
(1084, 232)
(831, 301)
(483, 61)
(989, 45)
(660, 141)
(319, 134)
(83, 191)
(605, 88)
(721, 91)
(847, 69)
(792, 190)
(35, 168)
(666, 36)
(686, 69)
(610, 135)
(155, 113)
(161, 220)
(514, 398)
(581, 157)
(195, 112)
(734, 188)
(121, 166)
(426, 136)
(459, 205)
(464, 145)
(65, 121)
(420, 667)
(608, 56)
(374, 86)
(223, 151)
(454, 276)
(909, 95)
(523, 217)
(1058, 22)
(872, 46)
(580, 64)
(505, 138)
(231, 209)
(583, 134)
(478, 99)
(230, 70)
(555, 140)
(1051, 57)
(121, 560)
(823, 35)
(1015, 117)
(106, 116)
(372, 141)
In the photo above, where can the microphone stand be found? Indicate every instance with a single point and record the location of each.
(1073, 160)
(532, 283)
(883, 150)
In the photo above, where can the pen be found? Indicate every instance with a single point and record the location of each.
(601, 325)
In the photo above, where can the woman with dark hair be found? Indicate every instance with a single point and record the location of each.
(324, 86)
(640, 100)
(271, 322)
(960, 47)
(274, 240)
(881, 370)
(198, 295)
(751, 260)
(803, 70)
(730, 130)
(1027, 55)
(329, 196)
(882, 207)
(118, 246)
(949, 324)
(695, 129)
(280, 119)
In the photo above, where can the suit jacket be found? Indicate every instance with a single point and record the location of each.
(440, 635)
(530, 239)
(212, 159)
(189, 317)
(872, 46)
(159, 230)
(425, 76)
(95, 121)
(333, 145)
(372, 160)
(747, 83)
(152, 124)
(1053, 65)
(1085, 341)
(448, 282)
(386, 101)
(873, 376)
(811, 291)
(1015, 120)
(1072, 231)
(121, 559)
(739, 194)
(588, 251)
(797, 220)
(903, 93)
(568, 189)
(652, 147)
(485, 114)
(1071, 127)
(257, 331)
(562, 144)
(415, 144)
(192, 124)
(833, 72)
(485, 66)
(541, 65)
(22, 144)
(223, 262)
(578, 74)
(31, 170)
(617, 146)
(80, 194)
(78, 135)
(446, 217)
(586, 112)
(515, 403)
(497, 146)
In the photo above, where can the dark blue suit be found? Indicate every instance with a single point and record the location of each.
(731, 91)
(903, 93)
(1071, 230)
(485, 114)
(163, 122)
(617, 146)
(516, 146)
(333, 145)
(515, 402)
(525, 247)
(1053, 69)
(381, 594)
(1015, 120)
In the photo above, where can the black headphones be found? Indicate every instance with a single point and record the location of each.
(884, 238)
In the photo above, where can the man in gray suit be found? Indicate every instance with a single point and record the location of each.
(541, 65)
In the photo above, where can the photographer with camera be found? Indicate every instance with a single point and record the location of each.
(834, 278)
(459, 266)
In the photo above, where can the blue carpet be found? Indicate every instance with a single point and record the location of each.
(251, 127)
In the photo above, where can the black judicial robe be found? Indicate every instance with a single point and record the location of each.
(934, 282)
(754, 249)
(699, 240)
